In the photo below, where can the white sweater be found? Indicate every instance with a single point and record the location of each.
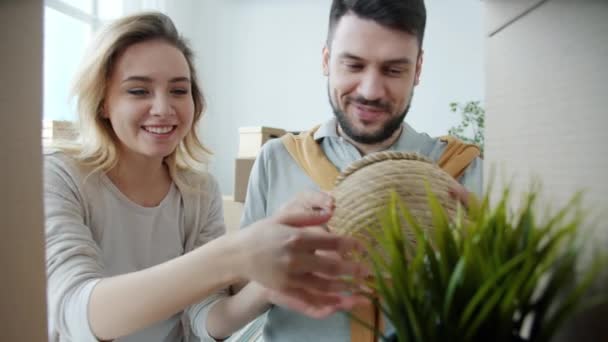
(94, 231)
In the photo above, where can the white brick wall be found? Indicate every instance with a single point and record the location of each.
(547, 98)
(547, 106)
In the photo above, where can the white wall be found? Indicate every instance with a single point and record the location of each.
(260, 64)
(23, 281)
(546, 112)
(546, 98)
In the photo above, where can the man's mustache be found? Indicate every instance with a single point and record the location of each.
(376, 104)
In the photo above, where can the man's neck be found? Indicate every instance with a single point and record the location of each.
(366, 149)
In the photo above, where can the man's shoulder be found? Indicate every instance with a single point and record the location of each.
(273, 160)
(273, 150)
(423, 143)
(274, 146)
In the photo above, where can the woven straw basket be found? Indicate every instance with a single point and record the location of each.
(363, 189)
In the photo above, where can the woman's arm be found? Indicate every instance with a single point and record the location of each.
(312, 286)
(230, 314)
(85, 306)
(123, 304)
(278, 253)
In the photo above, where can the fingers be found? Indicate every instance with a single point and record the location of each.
(313, 250)
(329, 267)
(304, 302)
(316, 199)
(315, 238)
(313, 304)
(322, 284)
(459, 193)
(307, 209)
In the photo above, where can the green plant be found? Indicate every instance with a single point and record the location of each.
(472, 126)
(480, 276)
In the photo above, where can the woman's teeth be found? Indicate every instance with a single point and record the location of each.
(159, 130)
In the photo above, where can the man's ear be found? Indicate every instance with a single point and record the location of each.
(418, 67)
(325, 54)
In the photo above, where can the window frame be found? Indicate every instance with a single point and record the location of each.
(92, 19)
(64, 129)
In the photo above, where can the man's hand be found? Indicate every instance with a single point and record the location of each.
(460, 193)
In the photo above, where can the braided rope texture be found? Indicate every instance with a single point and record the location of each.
(363, 189)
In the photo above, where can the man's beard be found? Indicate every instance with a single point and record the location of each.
(388, 129)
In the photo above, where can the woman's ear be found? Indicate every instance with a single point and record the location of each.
(102, 111)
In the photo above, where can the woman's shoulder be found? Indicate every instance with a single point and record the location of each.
(62, 167)
(198, 181)
(57, 160)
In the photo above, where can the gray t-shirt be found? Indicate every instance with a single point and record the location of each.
(94, 231)
(276, 178)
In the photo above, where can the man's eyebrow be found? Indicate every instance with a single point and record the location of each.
(402, 60)
(346, 55)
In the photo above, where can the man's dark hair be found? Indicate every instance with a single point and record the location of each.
(403, 15)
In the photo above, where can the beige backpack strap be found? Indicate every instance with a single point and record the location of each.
(457, 156)
(310, 157)
(369, 314)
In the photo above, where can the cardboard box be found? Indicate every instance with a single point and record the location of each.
(58, 130)
(232, 214)
(251, 139)
(242, 169)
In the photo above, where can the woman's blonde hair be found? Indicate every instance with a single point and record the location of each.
(97, 145)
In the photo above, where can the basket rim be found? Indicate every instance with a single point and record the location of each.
(376, 157)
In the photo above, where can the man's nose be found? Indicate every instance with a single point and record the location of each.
(371, 87)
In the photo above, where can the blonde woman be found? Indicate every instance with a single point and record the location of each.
(134, 228)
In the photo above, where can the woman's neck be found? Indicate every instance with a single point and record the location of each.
(143, 180)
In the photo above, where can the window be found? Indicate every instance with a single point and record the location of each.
(68, 27)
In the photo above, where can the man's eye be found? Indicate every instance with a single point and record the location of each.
(353, 67)
(394, 71)
(137, 92)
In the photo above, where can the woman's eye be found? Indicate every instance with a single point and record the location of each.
(180, 91)
(137, 92)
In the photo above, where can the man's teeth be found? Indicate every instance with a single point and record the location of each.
(159, 130)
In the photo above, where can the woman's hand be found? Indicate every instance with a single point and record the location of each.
(282, 254)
